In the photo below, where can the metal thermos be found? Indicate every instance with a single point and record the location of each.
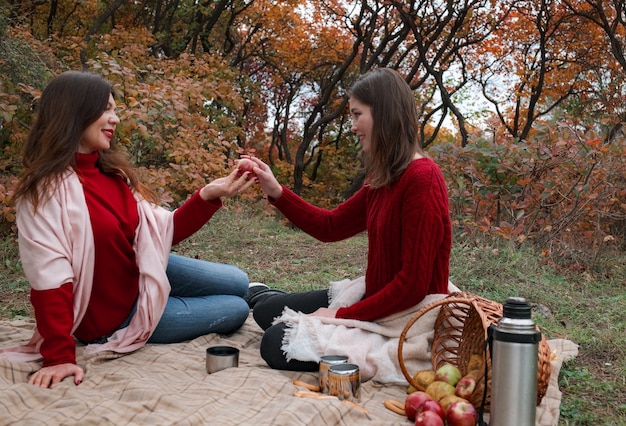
(514, 358)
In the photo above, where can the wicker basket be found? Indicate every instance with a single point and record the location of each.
(460, 331)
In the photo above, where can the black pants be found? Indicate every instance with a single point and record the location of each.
(270, 307)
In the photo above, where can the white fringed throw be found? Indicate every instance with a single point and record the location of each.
(373, 346)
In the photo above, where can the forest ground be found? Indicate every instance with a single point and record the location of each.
(586, 307)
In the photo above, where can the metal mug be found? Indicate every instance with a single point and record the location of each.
(221, 357)
(325, 363)
(344, 381)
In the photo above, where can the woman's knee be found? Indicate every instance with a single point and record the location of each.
(271, 344)
(239, 313)
(275, 357)
(262, 319)
(267, 308)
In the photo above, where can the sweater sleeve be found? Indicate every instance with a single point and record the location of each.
(346, 220)
(54, 316)
(46, 242)
(192, 216)
(425, 246)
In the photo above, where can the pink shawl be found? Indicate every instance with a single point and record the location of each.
(56, 246)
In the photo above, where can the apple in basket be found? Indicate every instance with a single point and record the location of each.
(428, 418)
(462, 413)
(448, 373)
(422, 379)
(465, 387)
(437, 390)
(413, 402)
(447, 401)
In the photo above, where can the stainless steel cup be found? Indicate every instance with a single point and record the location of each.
(325, 363)
(344, 381)
(221, 357)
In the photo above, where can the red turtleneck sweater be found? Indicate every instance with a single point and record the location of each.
(114, 218)
(409, 237)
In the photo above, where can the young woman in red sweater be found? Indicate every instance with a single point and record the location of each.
(403, 206)
(95, 245)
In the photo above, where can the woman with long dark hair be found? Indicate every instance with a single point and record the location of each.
(95, 246)
(403, 206)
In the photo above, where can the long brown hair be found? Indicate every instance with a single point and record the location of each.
(68, 105)
(395, 132)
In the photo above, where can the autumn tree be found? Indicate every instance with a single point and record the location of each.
(180, 117)
(527, 76)
(297, 55)
(336, 43)
(436, 56)
(603, 50)
(200, 82)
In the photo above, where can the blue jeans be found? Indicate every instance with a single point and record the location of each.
(206, 297)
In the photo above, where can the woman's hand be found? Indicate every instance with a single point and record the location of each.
(50, 376)
(264, 176)
(233, 184)
(324, 312)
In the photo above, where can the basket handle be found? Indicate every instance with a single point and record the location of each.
(437, 303)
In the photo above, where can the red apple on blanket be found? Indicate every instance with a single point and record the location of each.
(413, 402)
(462, 413)
(465, 387)
(448, 373)
(433, 406)
(428, 418)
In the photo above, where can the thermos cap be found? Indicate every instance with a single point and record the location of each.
(517, 308)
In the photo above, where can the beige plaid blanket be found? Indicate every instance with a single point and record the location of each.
(168, 384)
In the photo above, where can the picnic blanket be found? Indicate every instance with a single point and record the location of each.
(168, 385)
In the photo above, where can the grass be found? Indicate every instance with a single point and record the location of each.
(585, 306)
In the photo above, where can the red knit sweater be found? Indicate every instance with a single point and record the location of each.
(409, 237)
(114, 219)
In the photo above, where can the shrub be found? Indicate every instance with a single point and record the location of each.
(561, 189)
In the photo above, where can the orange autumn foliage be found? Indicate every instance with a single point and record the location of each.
(200, 83)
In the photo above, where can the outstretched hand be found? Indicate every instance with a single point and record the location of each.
(233, 184)
(50, 376)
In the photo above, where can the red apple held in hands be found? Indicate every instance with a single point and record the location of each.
(433, 406)
(245, 165)
(448, 373)
(413, 402)
(428, 418)
(462, 413)
(465, 387)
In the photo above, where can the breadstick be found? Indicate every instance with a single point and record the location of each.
(355, 405)
(310, 394)
(309, 386)
(395, 406)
